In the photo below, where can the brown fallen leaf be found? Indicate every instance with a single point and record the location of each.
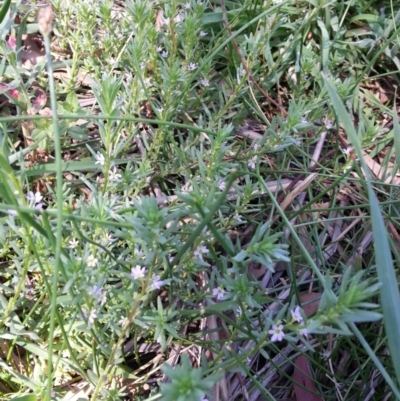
(305, 390)
(310, 302)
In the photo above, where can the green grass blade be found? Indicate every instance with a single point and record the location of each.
(390, 296)
(4, 9)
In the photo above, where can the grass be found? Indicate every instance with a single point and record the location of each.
(200, 200)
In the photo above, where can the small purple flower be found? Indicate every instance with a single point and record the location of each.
(202, 34)
(296, 315)
(200, 251)
(252, 162)
(156, 283)
(221, 184)
(328, 123)
(205, 82)
(192, 66)
(218, 293)
(138, 272)
(164, 54)
(277, 333)
(186, 6)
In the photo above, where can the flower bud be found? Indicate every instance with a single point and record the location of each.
(45, 19)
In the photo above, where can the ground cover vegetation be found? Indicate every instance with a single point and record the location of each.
(199, 200)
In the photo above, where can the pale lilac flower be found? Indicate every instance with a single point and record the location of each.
(239, 311)
(202, 34)
(218, 293)
(186, 6)
(160, 109)
(12, 212)
(100, 159)
(304, 120)
(348, 150)
(256, 146)
(123, 321)
(107, 239)
(73, 243)
(277, 333)
(328, 123)
(156, 283)
(204, 399)
(296, 315)
(100, 296)
(252, 162)
(159, 49)
(242, 72)
(34, 197)
(200, 251)
(92, 316)
(221, 184)
(166, 21)
(178, 19)
(164, 54)
(238, 217)
(91, 261)
(138, 272)
(113, 175)
(205, 82)
(192, 66)
(304, 332)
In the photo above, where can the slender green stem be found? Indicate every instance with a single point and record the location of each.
(59, 193)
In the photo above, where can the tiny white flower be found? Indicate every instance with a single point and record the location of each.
(100, 295)
(205, 82)
(242, 72)
(186, 6)
(164, 54)
(202, 34)
(304, 120)
(92, 316)
(12, 212)
(142, 65)
(91, 261)
(138, 272)
(328, 123)
(113, 175)
(156, 283)
(256, 146)
(276, 333)
(34, 197)
(160, 109)
(221, 184)
(159, 49)
(296, 315)
(178, 19)
(192, 66)
(100, 159)
(73, 243)
(348, 150)
(218, 293)
(200, 251)
(107, 239)
(304, 332)
(238, 217)
(123, 321)
(239, 311)
(252, 162)
(166, 21)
